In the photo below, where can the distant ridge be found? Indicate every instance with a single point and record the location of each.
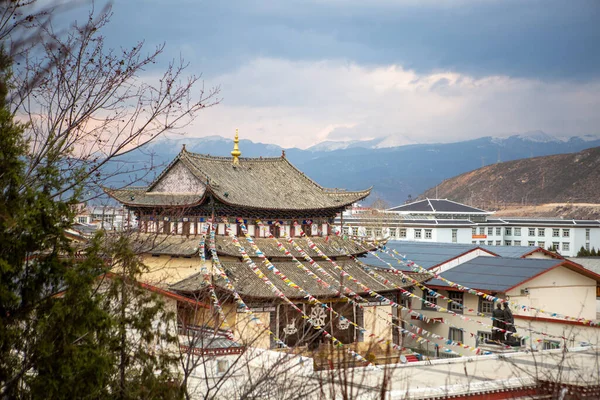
(562, 178)
(395, 172)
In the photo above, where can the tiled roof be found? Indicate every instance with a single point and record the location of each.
(263, 183)
(134, 196)
(249, 285)
(178, 245)
(439, 206)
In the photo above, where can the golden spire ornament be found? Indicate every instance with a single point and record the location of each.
(236, 153)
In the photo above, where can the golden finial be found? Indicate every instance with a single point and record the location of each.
(236, 150)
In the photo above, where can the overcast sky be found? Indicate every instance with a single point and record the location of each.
(295, 73)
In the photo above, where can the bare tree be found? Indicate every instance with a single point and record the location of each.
(92, 104)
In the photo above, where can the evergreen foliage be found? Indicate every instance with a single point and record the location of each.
(74, 322)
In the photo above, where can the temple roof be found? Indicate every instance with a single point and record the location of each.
(248, 284)
(177, 245)
(262, 183)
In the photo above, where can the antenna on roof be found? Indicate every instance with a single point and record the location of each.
(183, 147)
(236, 153)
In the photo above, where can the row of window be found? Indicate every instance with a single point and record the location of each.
(565, 246)
(510, 231)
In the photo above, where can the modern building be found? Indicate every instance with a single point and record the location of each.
(445, 221)
(542, 292)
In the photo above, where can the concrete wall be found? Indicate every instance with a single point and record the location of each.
(374, 321)
(559, 290)
(165, 270)
(248, 331)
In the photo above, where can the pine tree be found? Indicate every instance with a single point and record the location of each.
(582, 252)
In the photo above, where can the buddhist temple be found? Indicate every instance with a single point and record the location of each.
(283, 222)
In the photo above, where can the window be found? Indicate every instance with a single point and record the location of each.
(474, 242)
(542, 245)
(566, 232)
(222, 366)
(566, 246)
(508, 231)
(345, 230)
(531, 231)
(555, 232)
(82, 220)
(474, 231)
(517, 231)
(378, 233)
(555, 246)
(354, 231)
(369, 232)
(430, 297)
(427, 233)
(455, 335)
(490, 231)
(481, 230)
(508, 242)
(587, 233)
(403, 232)
(541, 232)
(498, 231)
(498, 242)
(393, 233)
(458, 301)
(482, 336)
(587, 246)
(454, 235)
(490, 243)
(482, 242)
(550, 344)
(517, 242)
(530, 243)
(418, 233)
(485, 306)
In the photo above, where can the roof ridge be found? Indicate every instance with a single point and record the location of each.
(230, 159)
(430, 205)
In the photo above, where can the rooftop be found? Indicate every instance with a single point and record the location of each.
(425, 254)
(499, 274)
(262, 183)
(248, 284)
(438, 206)
(178, 245)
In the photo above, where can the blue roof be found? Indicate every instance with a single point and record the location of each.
(496, 274)
(425, 254)
(510, 251)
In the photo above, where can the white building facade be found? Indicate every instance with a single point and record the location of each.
(445, 221)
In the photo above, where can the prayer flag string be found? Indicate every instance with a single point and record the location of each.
(384, 299)
(311, 299)
(282, 296)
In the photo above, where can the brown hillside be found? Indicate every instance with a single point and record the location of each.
(563, 178)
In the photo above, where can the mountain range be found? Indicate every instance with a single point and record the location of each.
(394, 172)
(561, 178)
